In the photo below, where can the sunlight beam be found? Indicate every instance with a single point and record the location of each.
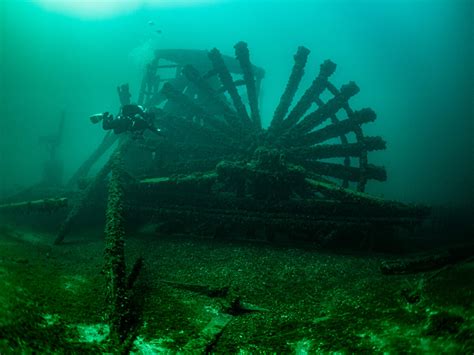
(97, 9)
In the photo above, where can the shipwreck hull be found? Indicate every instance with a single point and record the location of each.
(200, 204)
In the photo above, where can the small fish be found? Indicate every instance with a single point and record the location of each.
(151, 23)
(159, 32)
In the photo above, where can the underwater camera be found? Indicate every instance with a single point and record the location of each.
(97, 117)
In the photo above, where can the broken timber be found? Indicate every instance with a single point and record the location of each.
(114, 268)
(47, 205)
(208, 337)
(429, 261)
(233, 306)
(109, 139)
(87, 194)
(119, 286)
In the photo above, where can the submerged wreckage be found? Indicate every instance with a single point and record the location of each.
(217, 171)
(214, 170)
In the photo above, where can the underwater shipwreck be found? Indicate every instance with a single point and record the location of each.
(216, 174)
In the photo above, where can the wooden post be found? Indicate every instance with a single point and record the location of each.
(115, 269)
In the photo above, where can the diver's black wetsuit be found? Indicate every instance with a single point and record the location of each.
(119, 124)
(132, 118)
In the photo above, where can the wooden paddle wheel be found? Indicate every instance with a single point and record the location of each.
(218, 171)
(212, 123)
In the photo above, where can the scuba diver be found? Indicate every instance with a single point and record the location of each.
(132, 118)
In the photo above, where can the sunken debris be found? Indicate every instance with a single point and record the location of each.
(216, 166)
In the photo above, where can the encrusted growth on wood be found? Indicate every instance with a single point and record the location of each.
(216, 163)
